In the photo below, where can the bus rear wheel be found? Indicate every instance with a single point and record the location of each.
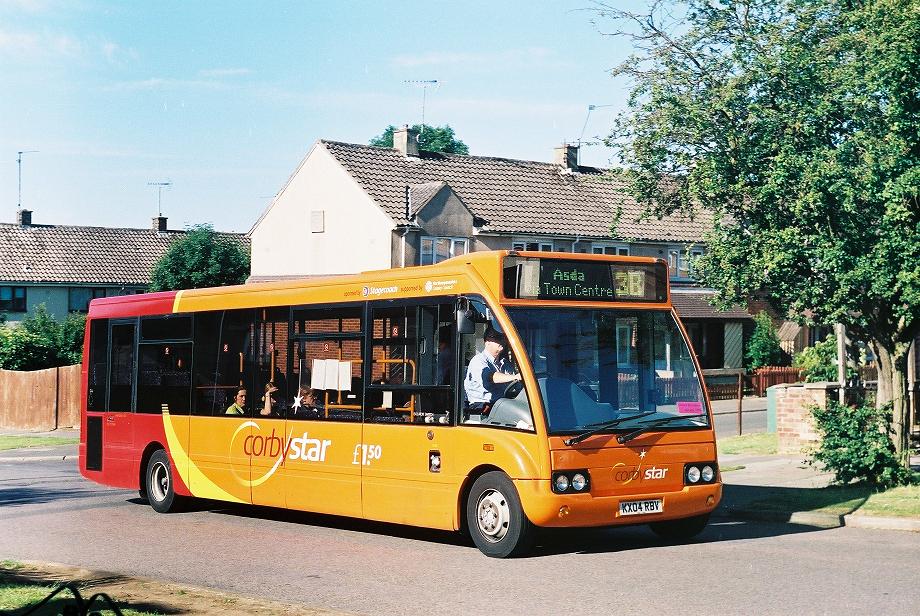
(680, 529)
(495, 518)
(159, 484)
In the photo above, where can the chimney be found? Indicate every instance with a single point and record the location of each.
(405, 141)
(159, 224)
(24, 218)
(567, 157)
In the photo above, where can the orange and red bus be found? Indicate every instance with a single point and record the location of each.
(345, 396)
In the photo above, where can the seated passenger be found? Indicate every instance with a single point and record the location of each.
(489, 373)
(239, 403)
(306, 405)
(271, 406)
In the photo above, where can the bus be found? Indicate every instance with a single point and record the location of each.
(348, 395)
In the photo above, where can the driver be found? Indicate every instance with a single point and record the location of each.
(488, 373)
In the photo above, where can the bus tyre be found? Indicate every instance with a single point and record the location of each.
(159, 484)
(681, 529)
(495, 519)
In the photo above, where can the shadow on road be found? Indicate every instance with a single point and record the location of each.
(549, 542)
(33, 496)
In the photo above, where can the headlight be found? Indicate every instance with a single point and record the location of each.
(707, 474)
(562, 483)
(693, 474)
(579, 482)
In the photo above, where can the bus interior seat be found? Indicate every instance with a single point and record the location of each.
(572, 407)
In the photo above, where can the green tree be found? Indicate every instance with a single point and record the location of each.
(200, 258)
(764, 348)
(430, 139)
(23, 350)
(65, 339)
(797, 122)
(41, 342)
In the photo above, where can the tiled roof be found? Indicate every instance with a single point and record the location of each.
(421, 194)
(514, 196)
(72, 254)
(695, 305)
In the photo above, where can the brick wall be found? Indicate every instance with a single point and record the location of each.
(794, 423)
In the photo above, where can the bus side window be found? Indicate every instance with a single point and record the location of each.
(327, 363)
(272, 364)
(98, 373)
(122, 366)
(164, 365)
(412, 369)
(223, 361)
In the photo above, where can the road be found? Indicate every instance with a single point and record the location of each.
(49, 513)
(753, 417)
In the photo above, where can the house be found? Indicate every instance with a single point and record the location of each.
(350, 208)
(65, 266)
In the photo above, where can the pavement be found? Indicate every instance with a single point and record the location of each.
(749, 480)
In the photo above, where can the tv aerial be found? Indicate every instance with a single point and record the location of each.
(19, 163)
(587, 117)
(424, 84)
(160, 186)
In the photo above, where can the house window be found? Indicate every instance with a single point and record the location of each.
(13, 299)
(79, 297)
(532, 245)
(677, 263)
(437, 249)
(680, 260)
(610, 249)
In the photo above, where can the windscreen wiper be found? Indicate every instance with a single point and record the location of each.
(604, 426)
(625, 438)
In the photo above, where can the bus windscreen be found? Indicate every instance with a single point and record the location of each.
(584, 281)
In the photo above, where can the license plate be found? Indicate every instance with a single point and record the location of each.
(641, 507)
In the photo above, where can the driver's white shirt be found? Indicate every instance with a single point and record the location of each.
(478, 383)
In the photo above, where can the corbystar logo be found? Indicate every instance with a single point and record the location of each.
(279, 447)
(655, 473)
(301, 447)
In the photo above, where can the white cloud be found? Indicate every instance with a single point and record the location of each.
(38, 45)
(224, 72)
(27, 6)
(531, 56)
(160, 83)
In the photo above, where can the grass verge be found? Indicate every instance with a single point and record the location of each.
(863, 499)
(20, 442)
(765, 443)
(18, 594)
(22, 585)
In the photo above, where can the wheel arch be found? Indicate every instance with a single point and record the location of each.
(471, 477)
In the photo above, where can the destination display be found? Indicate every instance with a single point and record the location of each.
(585, 281)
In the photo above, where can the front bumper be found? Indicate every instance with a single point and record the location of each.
(545, 508)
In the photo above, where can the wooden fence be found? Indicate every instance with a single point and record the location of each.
(768, 376)
(40, 400)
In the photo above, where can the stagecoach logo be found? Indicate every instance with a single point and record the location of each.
(428, 287)
(280, 447)
(366, 291)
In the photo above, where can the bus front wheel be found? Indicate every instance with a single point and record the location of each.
(495, 518)
(159, 484)
(680, 529)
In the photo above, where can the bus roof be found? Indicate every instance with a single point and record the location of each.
(474, 272)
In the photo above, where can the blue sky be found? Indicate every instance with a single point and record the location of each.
(223, 99)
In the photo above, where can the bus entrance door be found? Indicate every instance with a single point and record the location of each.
(401, 480)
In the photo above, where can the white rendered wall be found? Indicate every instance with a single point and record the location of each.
(357, 232)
